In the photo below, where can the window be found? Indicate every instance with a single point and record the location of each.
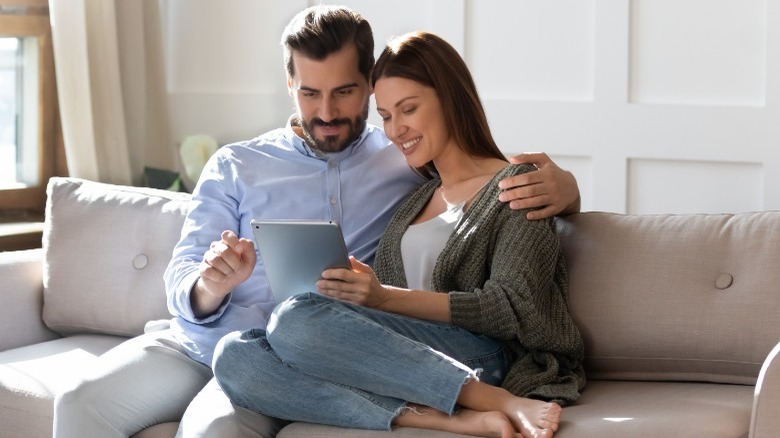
(28, 113)
(19, 111)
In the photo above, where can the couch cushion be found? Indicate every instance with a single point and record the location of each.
(31, 376)
(21, 295)
(614, 410)
(675, 297)
(107, 247)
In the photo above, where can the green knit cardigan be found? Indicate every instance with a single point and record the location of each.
(506, 278)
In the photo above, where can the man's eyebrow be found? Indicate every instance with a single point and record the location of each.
(340, 87)
(399, 103)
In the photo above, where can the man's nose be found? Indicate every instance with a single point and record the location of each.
(328, 109)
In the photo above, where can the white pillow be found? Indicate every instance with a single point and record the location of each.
(106, 249)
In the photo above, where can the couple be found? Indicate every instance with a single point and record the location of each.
(329, 164)
(462, 325)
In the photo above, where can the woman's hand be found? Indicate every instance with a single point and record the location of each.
(358, 286)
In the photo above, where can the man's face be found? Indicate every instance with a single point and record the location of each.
(331, 98)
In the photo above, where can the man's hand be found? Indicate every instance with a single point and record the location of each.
(550, 190)
(227, 263)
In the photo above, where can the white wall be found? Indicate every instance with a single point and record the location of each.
(657, 106)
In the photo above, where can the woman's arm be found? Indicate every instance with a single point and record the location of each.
(524, 296)
(360, 286)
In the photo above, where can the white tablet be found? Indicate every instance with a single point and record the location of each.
(296, 252)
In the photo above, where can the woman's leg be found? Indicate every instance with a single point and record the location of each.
(490, 412)
(463, 421)
(408, 359)
(382, 353)
(252, 376)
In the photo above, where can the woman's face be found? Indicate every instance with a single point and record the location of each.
(413, 119)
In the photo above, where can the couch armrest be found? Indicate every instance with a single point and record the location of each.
(765, 422)
(21, 295)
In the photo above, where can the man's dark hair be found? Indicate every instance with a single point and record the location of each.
(322, 30)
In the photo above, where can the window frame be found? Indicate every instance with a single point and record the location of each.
(39, 26)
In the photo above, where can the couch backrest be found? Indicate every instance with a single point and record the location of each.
(106, 249)
(675, 297)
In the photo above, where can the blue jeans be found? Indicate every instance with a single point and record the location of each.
(328, 362)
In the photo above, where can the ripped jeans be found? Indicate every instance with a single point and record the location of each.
(325, 361)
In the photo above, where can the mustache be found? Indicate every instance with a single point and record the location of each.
(335, 122)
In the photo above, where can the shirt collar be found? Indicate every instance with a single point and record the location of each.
(301, 146)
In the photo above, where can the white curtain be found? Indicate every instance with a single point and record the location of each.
(110, 79)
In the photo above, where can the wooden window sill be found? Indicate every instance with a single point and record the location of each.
(21, 233)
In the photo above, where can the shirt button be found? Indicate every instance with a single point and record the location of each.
(332, 201)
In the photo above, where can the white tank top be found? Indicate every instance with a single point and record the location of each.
(422, 243)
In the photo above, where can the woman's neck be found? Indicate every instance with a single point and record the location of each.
(456, 167)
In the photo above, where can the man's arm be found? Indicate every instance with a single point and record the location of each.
(549, 191)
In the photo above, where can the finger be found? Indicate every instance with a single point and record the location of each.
(342, 286)
(543, 213)
(209, 273)
(340, 274)
(520, 180)
(224, 258)
(230, 238)
(246, 248)
(536, 158)
(217, 261)
(534, 201)
(525, 193)
(360, 267)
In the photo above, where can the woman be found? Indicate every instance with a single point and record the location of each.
(463, 326)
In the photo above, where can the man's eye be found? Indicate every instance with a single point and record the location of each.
(346, 92)
(308, 94)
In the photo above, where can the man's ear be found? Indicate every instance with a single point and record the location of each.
(289, 86)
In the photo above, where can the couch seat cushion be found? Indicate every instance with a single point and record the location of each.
(31, 376)
(613, 409)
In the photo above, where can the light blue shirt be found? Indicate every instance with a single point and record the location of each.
(277, 176)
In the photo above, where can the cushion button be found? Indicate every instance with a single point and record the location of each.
(140, 261)
(724, 281)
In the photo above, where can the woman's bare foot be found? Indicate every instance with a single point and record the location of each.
(533, 418)
(464, 421)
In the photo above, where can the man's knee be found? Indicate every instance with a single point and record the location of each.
(77, 399)
(227, 354)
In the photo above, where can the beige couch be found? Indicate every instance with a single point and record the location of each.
(679, 313)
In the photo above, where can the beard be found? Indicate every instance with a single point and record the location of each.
(331, 143)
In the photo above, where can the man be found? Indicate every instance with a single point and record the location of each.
(326, 164)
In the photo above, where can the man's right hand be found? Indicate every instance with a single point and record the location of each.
(227, 263)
